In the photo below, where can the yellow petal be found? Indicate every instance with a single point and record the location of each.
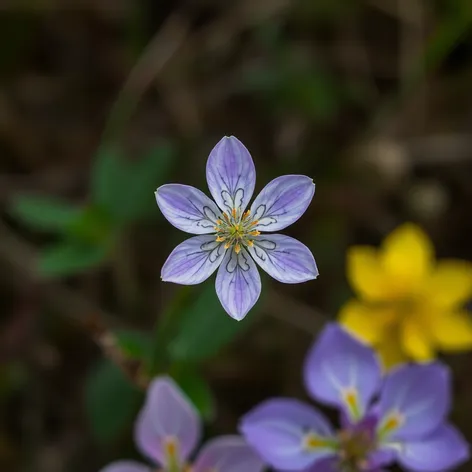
(390, 352)
(407, 256)
(416, 341)
(452, 331)
(362, 321)
(365, 272)
(450, 285)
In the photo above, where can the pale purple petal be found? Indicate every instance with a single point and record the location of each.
(238, 283)
(418, 396)
(277, 430)
(282, 202)
(231, 174)
(341, 371)
(126, 466)
(445, 449)
(284, 258)
(228, 454)
(193, 261)
(187, 208)
(167, 415)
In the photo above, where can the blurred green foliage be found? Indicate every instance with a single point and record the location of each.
(122, 192)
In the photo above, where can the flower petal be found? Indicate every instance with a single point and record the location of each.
(444, 449)
(450, 285)
(282, 202)
(277, 429)
(238, 283)
(228, 454)
(167, 419)
(366, 274)
(331, 464)
(231, 174)
(390, 351)
(193, 261)
(284, 258)
(126, 466)
(187, 208)
(408, 256)
(341, 371)
(366, 322)
(414, 401)
(416, 340)
(452, 331)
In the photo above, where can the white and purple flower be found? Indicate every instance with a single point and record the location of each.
(168, 430)
(399, 418)
(229, 236)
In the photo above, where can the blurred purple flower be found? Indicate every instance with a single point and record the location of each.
(399, 418)
(168, 430)
(229, 235)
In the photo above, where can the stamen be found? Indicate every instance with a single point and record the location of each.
(237, 248)
(226, 217)
(255, 233)
(227, 245)
(246, 214)
(250, 243)
(391, 423)
(254, 223)
(311, 442)
(234, 212)
(220, 239)
(350, 397)
(218, 222)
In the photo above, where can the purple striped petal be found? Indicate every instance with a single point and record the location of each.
(445, 449)
(193, 261)
(284, 258)
(282, 202)
(228, 454)
(126, 466)
(167, 419)
(238, 283)
(414, 401)
(278, 430)
(187, 208)
(231, 174)
(341, 371)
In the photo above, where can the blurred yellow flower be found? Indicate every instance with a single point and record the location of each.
(409, 305)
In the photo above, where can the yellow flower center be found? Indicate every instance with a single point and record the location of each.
(236, 229)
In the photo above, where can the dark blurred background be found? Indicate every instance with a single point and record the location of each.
(101, 101)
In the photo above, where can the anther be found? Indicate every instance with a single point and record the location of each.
(255, 233)
(254, 223)
(220, 239)
(250, 243)
(227, 245)
(237, 248)
(234, 213)
(246, 214)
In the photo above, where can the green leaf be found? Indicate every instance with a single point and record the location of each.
(196, 388)
(44, 213)
(135, 344)
(125, 188)
(111, 401)
(70, 257)
(93, 226)
(204, 329)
